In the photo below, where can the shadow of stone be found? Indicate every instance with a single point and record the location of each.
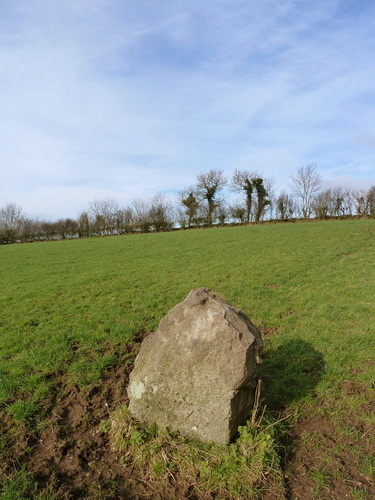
(289, 373)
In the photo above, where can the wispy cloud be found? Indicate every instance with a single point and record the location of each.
(125, 99)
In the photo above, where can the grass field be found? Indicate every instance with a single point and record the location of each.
(73, 314)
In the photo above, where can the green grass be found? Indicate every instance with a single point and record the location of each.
(66, 307)
(65, 303)
(20, 486)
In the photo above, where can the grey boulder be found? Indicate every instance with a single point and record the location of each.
(196, 374)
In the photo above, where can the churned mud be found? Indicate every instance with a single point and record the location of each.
(71, 457)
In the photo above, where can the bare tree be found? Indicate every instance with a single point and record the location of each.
(125, 220)
(349, 202)
(305, 185)
(270, 185)
(238, 212)
(103, 213)
(28, 230)
(285, 206)
(47, 230)
(361, 201)
(181, 218)
(221, 213)
(323, 204)
(161, 213)
(66, 228)
(11, 218)
(83, 224)
(338, 202)
(371, 200)
(141, 215)
(209, 185)
(342, 202)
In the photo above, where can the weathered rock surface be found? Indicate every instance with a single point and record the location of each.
(196, 373)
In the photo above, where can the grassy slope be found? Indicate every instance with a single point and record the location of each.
(65, 306)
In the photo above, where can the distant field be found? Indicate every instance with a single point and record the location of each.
(72, 314)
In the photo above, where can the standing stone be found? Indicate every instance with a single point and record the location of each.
(196, 373)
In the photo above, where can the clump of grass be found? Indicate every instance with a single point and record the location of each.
(20, 485)
(17, 486)
(227, 471)
(368, 466)
(23, 410)
(321, 480)
(89, 368)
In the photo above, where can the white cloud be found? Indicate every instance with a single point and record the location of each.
(125, 99)
(348, 181)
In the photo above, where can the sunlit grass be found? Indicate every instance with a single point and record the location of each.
(63, 304)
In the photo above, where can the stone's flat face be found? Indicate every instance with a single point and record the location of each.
(196, 373)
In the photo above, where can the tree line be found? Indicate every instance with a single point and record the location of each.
(200, 205)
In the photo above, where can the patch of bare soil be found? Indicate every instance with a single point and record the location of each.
(71, 455)
(72, 458)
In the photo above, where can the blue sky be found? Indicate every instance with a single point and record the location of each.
(124, 99)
